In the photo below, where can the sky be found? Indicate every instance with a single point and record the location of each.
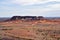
(46, 8)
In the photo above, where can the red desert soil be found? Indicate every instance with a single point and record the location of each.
(34, 30)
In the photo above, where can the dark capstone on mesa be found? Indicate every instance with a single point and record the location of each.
(26, 18)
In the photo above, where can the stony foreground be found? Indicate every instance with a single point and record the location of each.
(32, 30)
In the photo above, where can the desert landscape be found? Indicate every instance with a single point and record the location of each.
(28, 29)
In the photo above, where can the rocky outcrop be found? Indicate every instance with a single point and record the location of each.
(26, 18)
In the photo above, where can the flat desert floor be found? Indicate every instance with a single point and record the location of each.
(30, 30)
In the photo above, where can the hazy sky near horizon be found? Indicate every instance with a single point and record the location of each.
(47, 8)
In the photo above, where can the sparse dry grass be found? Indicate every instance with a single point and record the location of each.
(35, 30)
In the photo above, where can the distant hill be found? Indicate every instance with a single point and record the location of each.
(26, 18)
(4, 18)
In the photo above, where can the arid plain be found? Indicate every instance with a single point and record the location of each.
(30, 30)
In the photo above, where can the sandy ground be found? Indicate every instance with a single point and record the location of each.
(32, 30)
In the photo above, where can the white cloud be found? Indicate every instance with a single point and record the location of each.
(25, 10)
(54, 6)
(30, 2)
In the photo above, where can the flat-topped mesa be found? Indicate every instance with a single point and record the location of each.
(26, 18)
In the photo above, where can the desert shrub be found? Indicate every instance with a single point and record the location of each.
(0, 39)
(7, 39)
(6, 29)
(39, 30)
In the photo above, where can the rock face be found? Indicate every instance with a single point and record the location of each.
(26, 18)
(15, 18)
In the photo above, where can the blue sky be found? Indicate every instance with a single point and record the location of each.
(47, 8)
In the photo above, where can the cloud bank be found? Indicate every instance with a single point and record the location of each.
(30, 7)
